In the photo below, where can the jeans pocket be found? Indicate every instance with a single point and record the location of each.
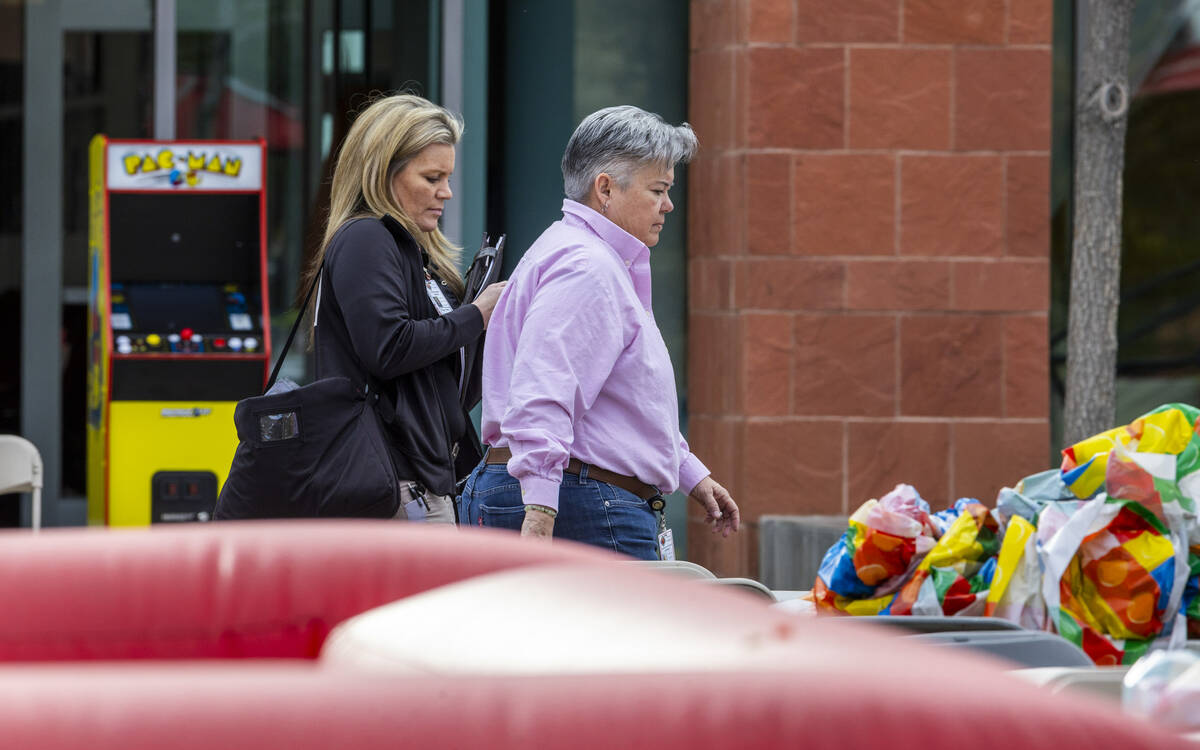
(632, 525)
(502, 516)
(618, 496)
(492, 481)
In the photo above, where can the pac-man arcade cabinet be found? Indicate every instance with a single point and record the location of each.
(178, 322)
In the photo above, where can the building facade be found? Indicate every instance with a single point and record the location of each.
(880, 243)
(869, 252)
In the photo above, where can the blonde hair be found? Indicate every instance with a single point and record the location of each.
(382, 141)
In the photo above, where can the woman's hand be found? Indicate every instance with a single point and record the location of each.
(720, 509)
(538, 525)
(486, 301)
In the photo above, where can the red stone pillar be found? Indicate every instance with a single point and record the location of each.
(868, 253)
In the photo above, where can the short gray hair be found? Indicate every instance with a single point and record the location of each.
(620, 140)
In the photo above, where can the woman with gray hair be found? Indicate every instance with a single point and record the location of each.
(579, 406)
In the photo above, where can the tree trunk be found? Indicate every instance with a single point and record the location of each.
(1101, 107)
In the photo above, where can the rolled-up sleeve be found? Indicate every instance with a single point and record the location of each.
(571, 337)
(691, 470)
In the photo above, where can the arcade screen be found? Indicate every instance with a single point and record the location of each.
(182, 237)
(172, 307)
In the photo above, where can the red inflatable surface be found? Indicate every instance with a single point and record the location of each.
(223, 591)
(227, 590)
(303, 708)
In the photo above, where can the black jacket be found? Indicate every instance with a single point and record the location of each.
(375, 315)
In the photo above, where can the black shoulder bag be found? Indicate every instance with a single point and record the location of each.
(313, 451)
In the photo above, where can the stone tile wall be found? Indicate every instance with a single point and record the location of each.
(868, 252)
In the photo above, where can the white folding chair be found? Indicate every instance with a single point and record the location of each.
(21, 471)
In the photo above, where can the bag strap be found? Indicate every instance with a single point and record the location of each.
(295, 326)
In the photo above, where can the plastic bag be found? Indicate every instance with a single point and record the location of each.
(1113, 582)
(1166, 430)
(1016, 590)
(954, 577)
(1190, 603)
(1105, 550)
(1032, 512)
(884, 540)
(1164, 687)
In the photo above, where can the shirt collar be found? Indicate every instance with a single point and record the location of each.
(628, 247)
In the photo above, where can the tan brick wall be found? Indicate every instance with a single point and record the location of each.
(868, 252)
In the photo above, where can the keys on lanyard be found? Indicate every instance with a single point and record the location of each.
(417, 507)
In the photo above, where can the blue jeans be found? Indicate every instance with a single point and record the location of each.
(589, 511)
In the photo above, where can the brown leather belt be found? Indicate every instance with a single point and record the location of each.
(575, 466)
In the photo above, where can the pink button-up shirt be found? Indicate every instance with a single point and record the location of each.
(574, 364)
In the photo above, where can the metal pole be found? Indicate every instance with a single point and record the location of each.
(452, 99)
(164, 70)
(42, 251)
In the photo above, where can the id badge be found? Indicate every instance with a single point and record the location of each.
(436, 297)
(666, 545)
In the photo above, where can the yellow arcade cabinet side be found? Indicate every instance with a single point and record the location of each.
(177, 322)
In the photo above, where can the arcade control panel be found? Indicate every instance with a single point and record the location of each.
(172, 318)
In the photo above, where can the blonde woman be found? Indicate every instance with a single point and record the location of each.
(388, 307)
